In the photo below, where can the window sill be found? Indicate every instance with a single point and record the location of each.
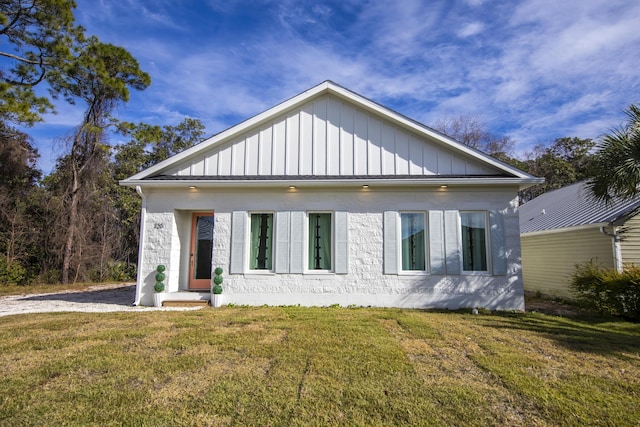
(413, 273)
(259, 273)
(476, 273)
(319, 273)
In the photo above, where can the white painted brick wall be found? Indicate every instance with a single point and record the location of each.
(365, 284)
(157, 238)
(221, 240)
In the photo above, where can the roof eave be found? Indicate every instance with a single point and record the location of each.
(301, 183)
(564, 229)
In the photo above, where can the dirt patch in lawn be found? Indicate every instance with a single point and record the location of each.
(549, 305)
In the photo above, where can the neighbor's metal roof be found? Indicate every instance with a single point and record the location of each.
(570, 206)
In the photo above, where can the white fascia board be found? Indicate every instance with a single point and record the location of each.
(319, 182)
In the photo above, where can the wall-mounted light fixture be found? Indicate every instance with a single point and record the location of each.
(444, 186)
(192, 187)
(292, 187)
(365, 186)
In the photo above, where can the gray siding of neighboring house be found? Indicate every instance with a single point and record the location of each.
(549, 260)
(630, 244)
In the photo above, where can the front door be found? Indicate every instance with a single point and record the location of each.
(201, 250)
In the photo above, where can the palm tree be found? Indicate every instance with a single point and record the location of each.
(616, 166)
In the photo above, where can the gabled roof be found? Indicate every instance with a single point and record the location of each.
(329, 134)
(572, 206)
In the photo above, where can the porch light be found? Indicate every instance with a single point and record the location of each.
(444, 186)
(192, 187)
(292, 187)
(365, 186)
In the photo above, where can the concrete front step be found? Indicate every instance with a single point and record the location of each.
(170, 299)
(188, 296)
(185, 303)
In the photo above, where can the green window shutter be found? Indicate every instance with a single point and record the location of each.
(296, 254)
(498, 249)
(436, 242)
(282, 242)
(390, 235)
(451, 242)
(238, 236)
(342, 242)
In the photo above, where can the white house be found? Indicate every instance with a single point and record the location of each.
(330, 198)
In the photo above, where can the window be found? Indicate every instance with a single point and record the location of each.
(261, 239)
(413, 241)
(474, 241)
(319, 241)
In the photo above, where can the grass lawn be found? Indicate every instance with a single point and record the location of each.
(283, 366)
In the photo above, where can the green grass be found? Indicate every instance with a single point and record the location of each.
(283, 366)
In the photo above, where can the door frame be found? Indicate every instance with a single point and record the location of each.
(197, 284)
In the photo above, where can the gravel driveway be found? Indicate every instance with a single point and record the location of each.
(95, 299)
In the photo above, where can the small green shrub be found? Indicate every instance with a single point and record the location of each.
(113, 271)
(11, 273)
(120, 271)
(606, 290)
(50, 277)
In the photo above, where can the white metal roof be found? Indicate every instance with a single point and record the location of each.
(571, 206)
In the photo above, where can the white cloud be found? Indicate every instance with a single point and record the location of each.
(475, 2)
(400, 29)
(471, 29)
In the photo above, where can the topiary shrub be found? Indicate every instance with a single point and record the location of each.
(606, 290)
(217, 282)
(160, 276)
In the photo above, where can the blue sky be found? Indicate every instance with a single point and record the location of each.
(535, 70)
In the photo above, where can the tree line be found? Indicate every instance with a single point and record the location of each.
(76, 224)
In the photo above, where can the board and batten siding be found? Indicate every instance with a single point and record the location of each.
(630, 243)
(549, 260)
(329, 137)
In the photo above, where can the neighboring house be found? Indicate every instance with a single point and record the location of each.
(566, 227)
(330, 198)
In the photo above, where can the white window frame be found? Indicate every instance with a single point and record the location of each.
(426, 270)
(308, 270)
(487, 243)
